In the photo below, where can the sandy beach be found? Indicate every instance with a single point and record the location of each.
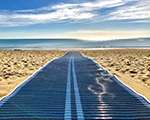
(16, 66)
(132, 66)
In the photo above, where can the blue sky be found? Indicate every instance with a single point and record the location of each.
(82, 19)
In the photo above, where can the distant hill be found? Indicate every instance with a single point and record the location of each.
(72, 43)
(138, 42)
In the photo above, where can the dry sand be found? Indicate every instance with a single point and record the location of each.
(132, 66)
(16, 66)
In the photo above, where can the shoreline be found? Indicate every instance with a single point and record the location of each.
(67, 49)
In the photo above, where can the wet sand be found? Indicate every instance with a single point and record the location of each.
(16, 66)
(132, 66)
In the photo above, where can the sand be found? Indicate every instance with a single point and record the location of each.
(132, 66)
(16, 66)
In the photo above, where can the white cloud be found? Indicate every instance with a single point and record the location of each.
(79, 34)
(139, 10)
(108, 34)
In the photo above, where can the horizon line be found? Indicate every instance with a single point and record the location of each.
(73, 39)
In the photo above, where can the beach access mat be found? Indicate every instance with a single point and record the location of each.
(73, 87)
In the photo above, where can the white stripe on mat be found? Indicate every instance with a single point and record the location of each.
(79, 109)
(67, 115)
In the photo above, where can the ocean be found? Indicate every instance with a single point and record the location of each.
(47, 44)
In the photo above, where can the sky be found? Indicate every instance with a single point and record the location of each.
(79, 19)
